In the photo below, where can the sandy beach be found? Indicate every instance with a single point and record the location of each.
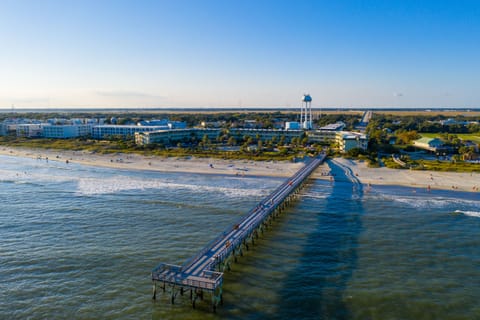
(458, 181)
(165, 164)
(373, 176)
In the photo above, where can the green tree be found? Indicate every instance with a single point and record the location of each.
(406, 137)
(205, 140)
(232, 141)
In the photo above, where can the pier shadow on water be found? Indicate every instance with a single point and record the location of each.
(315, 288)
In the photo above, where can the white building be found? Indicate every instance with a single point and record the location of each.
(177, 125)
(66, 131)
(266, 134)
(167, 124)
(178, 135)
(104, 131)
(430, 144)
(345, 140)
(175, 135)
(337, 126)
(7, 127)
(349, 140)
(58, 121)
(29, 130)
(324, 137)
(292, 125)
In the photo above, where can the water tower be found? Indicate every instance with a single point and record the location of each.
(306, 112)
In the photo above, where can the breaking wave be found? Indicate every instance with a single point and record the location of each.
(469, 213)
(94, 186)
(434, 202)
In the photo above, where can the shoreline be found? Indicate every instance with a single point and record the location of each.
(430, 180)
(160, 164)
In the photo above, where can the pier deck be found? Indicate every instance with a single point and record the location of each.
(198, 273)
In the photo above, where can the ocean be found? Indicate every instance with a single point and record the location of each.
(80, 242)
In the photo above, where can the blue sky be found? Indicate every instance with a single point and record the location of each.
(239, 53)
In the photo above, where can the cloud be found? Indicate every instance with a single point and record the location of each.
(398, 94)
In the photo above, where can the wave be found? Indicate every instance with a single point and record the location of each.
(94, 186)
(469, 213)
(315, 195)
(428, 202)
(93, 182)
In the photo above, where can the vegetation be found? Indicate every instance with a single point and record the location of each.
(474, 137)
(204, 148)
(389, 133)
(455, 164)
(385, 129)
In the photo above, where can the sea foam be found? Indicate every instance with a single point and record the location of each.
(469, 213)
(95, 186)
(433, 202)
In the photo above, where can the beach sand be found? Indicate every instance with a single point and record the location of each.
(458, 181)
(165, 164)
(373, 176)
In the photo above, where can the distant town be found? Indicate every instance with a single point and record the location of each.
(393, 139)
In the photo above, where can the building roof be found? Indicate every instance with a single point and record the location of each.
(426, 140)
(334, 126)
(347, 135)
(129, 126)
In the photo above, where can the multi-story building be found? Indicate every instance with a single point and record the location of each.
(29, 130)
(178, 135)
(175, 135)
(348, 140)
(66, 131)
(329, 134)
(266, 134)
(344, 140)
(9, 126)
(104, 131)
(292, 125)
(5, 128)
(323, 137)
(337, 126)
(167, 124)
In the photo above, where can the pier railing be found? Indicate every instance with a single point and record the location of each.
(199, 271)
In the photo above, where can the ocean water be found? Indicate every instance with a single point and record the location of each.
(79, 242)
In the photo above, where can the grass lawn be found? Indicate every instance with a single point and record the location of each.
(465, 136)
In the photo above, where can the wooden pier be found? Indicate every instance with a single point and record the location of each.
(204, 271)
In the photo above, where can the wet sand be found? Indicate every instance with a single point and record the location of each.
(374, 176)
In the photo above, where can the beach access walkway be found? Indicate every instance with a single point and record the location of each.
(204, 271)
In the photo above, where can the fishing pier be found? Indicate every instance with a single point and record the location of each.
(204, 271)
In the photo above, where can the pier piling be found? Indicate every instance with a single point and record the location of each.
(198, 273)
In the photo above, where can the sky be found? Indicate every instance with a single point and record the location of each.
(248, 53)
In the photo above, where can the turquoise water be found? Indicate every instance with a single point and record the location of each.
(79, 242)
